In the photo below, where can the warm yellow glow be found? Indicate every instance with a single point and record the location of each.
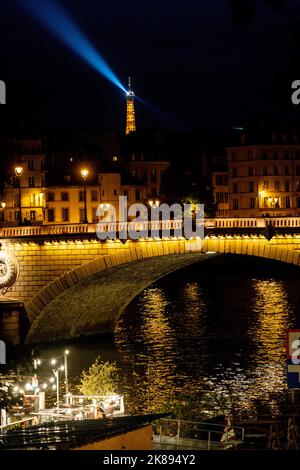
(153, 204)
(130, 116)
(84, 173)
(3, 205)
(19, 171)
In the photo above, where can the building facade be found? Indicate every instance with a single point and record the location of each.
(264, 180)
(28, 155)
(151, 175)
(220, 192)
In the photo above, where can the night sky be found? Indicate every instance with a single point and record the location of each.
(198, 64)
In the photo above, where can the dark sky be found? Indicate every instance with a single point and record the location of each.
(195, 64)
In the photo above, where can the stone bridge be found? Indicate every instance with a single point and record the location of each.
(73, 285)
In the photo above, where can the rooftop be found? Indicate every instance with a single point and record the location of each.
(72, 434)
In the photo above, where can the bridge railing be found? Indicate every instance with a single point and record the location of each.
(70, 229)
(251, 222)
(117, 227)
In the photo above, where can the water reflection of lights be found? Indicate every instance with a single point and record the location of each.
(271, 319)
(223, 339)
(158, 334)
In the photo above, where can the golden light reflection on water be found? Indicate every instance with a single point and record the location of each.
(169, 343)
(266, 375)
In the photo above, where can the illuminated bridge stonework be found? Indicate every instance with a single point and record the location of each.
(74, 286)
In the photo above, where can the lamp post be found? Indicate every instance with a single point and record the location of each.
(66, 353)
(84, 175)
(64, 367)
(19, 173)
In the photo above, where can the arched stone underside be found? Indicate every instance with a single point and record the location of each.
(94, 305)
(90, 299)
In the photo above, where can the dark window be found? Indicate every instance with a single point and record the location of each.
(153, 175)
(235, 188)
(235, 204)
(286, 171)
(144, 176)
(64, 196)
(220, 197)
(50, 196)
(277, 185)
(221, 180)
(153, 191)
(298, 170)
(137, 195)
(265, 155)
(287, 186)
(298, 202)
(286, 155)
(233, 155)
(81, 196)
(276, 173)
(265, 171)
(234, 172)
(288, 202)
(81, 215)
(51, 215)
(252, 203)
(94, 195)
(250, 171)
(250, 155)
(251, 187)
(115, 192)
(65, 214)
(30, 165)
(275, 155)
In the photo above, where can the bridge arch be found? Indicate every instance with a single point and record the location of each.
(142, 263)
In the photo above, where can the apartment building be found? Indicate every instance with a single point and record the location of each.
(264, 180)
(26, 178)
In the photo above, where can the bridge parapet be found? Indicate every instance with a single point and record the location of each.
(249, 225)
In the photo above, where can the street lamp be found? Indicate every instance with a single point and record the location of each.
(84, 175)
(63, 368)
(66, 353)
(19, 173)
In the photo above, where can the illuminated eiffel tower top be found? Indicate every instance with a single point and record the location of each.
(130, 113)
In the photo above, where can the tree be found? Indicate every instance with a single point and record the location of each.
(100, 379)
(8, 397)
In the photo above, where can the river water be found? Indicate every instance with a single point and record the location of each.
(209, 337)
